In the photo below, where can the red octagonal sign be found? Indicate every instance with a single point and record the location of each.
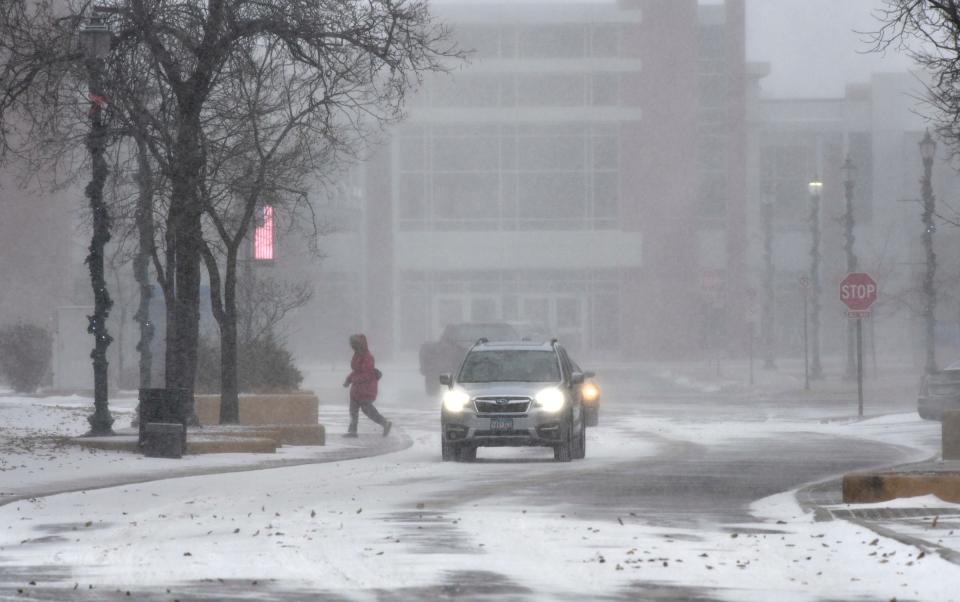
(858, 291)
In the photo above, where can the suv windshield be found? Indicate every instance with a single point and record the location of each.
(513, 365)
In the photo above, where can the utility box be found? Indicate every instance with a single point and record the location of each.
(163, 440)
(163, 407)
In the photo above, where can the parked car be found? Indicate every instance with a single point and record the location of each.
(531, 331)
(444, 356)
(513, 394)
(938, 392)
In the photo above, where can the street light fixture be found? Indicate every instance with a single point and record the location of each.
(95, 40)
(848, 170)
(815, 187)
(768, 277)
(928, 150)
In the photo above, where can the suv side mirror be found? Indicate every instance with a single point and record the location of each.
(589, 374)
(576, 378)
(446, 379)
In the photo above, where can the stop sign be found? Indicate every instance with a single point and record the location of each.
(858, 291)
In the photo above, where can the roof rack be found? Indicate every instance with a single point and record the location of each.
(480, 341)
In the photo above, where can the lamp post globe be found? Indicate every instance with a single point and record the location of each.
(95, 38)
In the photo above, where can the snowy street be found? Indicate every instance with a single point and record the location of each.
(683, 495)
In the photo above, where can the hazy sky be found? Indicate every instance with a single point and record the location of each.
(812, 45)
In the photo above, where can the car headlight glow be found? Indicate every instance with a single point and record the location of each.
(550, 399)
(590, 392)
(454, 400)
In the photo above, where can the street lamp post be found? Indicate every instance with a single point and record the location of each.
(815, 188)
(928, 149)
(849, 169)
(95, 39)
(768, 279)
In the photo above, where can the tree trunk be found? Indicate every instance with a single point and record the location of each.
(141, 263)
(229, 389)
(184, 221)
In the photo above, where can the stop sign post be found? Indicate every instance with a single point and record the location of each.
(858, 291)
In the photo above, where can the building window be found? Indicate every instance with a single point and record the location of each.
(556, 177)
(551, 90)
(552, 41)
(263, 234)
(605, 40)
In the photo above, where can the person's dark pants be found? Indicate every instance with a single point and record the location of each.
(368, 409)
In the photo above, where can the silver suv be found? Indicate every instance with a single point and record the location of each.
(513, 394)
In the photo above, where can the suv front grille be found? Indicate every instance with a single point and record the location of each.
(502, 405)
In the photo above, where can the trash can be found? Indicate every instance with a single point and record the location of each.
(163, 406)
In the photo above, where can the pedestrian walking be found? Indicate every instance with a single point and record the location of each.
(363, 386)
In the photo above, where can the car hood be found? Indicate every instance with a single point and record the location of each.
(505, 389)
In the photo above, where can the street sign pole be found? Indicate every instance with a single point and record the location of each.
(860, 367)
(806, 347)
(858, 291)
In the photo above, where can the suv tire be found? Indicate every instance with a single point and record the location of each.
(466, 453)
(448, 451)
(581, 441)
(591, 415)
(565, 451)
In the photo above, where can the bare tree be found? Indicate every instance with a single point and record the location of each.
(186, 52)
(386, 43)
(929, 32)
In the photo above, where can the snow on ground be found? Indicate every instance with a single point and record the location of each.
(386, 523)
(395, 521)
(37, 453)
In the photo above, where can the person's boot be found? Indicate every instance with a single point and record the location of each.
(386, 428)
(351, 434)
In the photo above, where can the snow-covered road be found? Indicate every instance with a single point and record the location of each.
(664, 507)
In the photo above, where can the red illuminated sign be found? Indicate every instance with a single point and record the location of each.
(263, 234)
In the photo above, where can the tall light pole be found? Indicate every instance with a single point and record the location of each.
(849, 169)
(766, 208)
(815, 188)
(95, 39)
(928, 149)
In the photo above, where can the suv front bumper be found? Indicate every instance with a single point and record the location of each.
(535, 427)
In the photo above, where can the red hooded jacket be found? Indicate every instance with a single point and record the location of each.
(362, 379)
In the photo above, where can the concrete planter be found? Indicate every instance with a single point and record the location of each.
(293, 415)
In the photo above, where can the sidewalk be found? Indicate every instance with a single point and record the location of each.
(38, 458)
(926, 522)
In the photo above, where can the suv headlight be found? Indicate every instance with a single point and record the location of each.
(454, 400)
(550, 399)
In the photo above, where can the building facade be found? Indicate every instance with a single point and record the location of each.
(585, 172)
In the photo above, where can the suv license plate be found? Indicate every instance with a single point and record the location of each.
(501, 424)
